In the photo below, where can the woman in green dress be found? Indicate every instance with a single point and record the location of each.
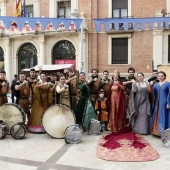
(43, 99)
(84, 110)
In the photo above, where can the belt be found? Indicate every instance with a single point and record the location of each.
(23, 98)
(2, 95)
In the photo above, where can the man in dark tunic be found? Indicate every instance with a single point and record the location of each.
(4, 85)
(53, 83)
(32, 79)
(105, 83)
(93, 83)
(72, 82)
(23, 93)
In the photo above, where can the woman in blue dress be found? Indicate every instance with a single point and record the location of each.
(161, 113)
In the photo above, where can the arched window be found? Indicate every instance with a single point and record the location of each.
(1, 59)
(63, 50)
(27, 56)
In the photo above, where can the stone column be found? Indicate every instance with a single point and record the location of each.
(52, 8)
(7, 59)
(36, 8)
(157, 48)
(41, 60)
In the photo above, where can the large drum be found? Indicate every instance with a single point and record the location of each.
(94, 127)
(18, 131)
(165, 137)
(56, 119)
(11, 114)
(73, 134)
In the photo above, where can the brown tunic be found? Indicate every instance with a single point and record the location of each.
(3, 92)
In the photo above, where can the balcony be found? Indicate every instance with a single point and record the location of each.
(121, 25)
(130, 24)
(13, 25)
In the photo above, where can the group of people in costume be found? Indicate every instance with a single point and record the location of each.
(117, 102)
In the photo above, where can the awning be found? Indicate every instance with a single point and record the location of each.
(133, 21)
(53, 67)
(44, 21)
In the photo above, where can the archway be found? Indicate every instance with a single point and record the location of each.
(64, 53)
(27, 56)
(1, 59)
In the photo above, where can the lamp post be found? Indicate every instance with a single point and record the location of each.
(76, 14)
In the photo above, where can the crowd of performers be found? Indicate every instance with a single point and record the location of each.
(116, 103)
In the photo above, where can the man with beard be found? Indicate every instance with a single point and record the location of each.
(93, 83)
(105, 83)
(32, 79)
(23, 93)
(4, 85)
(128, 82)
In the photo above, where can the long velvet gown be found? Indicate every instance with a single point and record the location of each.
(161, 115)
(140, 117)
(43, 99)
(122, 144)
(84, 110)
(117, 118)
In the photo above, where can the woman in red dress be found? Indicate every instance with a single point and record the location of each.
(117, 118)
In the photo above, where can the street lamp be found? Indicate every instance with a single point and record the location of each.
(76, 14)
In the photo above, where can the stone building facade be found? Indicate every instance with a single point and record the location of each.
(145, 49)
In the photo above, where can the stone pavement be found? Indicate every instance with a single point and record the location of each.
(41, 152)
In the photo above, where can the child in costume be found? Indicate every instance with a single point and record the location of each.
(102, 109)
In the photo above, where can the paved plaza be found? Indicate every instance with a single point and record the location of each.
(41, 152)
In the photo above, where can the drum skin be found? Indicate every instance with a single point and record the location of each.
(11, 114)
(18, 131)
(56, 119)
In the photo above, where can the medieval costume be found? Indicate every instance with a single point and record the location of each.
(84, 110)
(93, 84)
(102, 109)
(32, 83)
(62, 94)
(117, 118)
(53, 89)
(22, 96)
(140, 113)
(72, 91)
(105, 84)
(3, 91)
(43, 99)
(161, 115)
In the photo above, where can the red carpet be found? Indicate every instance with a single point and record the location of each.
(125, 146)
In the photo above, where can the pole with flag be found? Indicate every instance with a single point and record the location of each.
(18, 9)
(23, 9)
